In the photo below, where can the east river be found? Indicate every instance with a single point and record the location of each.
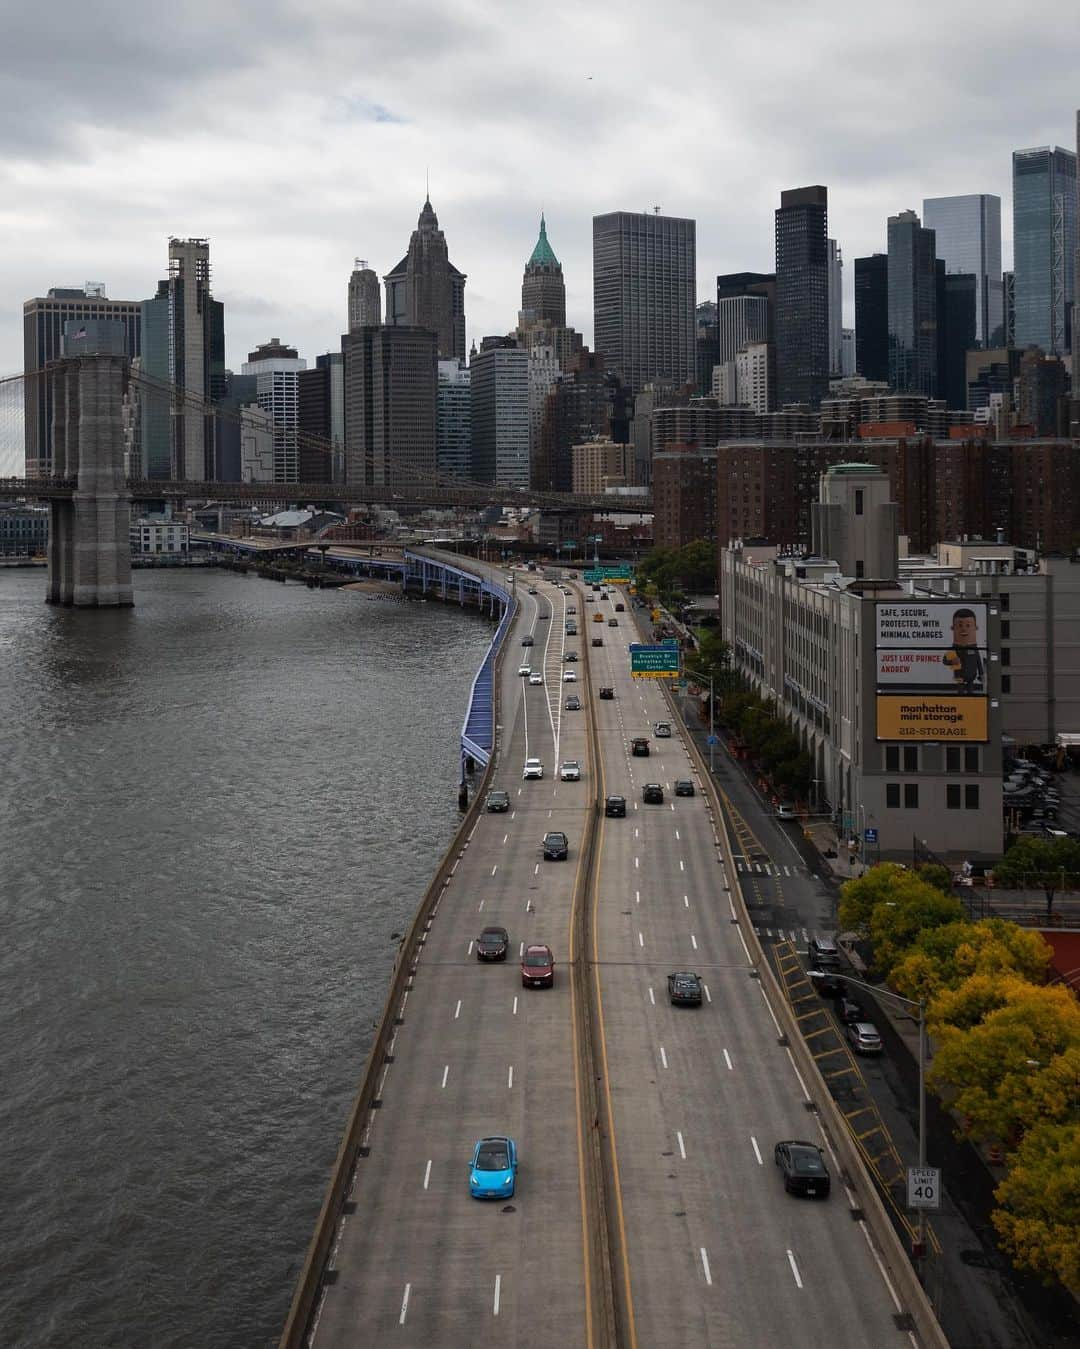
(217, 810)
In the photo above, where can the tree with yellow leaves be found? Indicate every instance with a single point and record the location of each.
(943, 957)
(1039, 1217)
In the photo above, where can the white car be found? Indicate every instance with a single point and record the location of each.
(533, 769)
(571, 609)
(535, 677)
(524, 670)
(663, 730)
(569, 677)
(570, 771)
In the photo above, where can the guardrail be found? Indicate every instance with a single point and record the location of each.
(903, 1280)
(303, 1311)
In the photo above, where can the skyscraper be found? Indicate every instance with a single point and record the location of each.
(1044, 246)
(644, 278)
(968, 230)
(740, 319)
(499, 376)
(872, 317)
(1008, 309)
(836, 306)
(453, 420)
(390, 394)
(802, 296)
(912, 306)
(543, 290)
(365, 300)
(322, 419)
(957, 305)
(276, 369)
(43, 331)
(425, 289)
(183, 346)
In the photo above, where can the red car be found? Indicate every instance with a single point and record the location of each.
(538, 967)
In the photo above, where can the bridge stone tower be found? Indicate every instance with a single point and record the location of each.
(89, 535)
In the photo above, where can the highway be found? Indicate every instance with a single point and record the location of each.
(707, 1247)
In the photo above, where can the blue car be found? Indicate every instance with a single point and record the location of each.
(494, 1166)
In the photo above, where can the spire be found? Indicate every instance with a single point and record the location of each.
(428, 218)
(542, 254)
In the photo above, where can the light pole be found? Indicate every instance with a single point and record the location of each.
(920, 1007)
(712, 732)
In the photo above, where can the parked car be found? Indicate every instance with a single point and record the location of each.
(850, 1012)
(498, 801)
(828, 985)
(786, 810)
(639, 747)
(684, 989)
(606, 693)
(492, 944)
(823, 951)
(803, 1167)
(684, 787)
(615, 806)
(652, 794)
(538, 967)
(570, 771)
(534, 768)
(864, 1038)
(493, 1172)
(556, 846)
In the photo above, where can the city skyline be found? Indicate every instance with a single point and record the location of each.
(96, 183)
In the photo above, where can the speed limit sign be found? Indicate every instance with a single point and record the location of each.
(924, 1187)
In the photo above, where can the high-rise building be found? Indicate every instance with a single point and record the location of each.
(740, 320)
(276, 369)
(968, 232)
(543, 290)
(43, 332)
(708, 344)
(1008, 308)
(802, 296)
(847, 353)
(321, 419)
(1041, 388)
(453, 420)
(544, 372)
(912, 306)
(733, 285)
(836, 306)
(1044, 246)
(425, 290)
(499, 376)
(390, 392)
(601, 463)
(183, 346)
(872, 317)
(644, 279)
(365, 299)
(752, 376)
(586, 401)
(957, 307)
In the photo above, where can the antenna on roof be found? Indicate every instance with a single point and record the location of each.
(656, 210)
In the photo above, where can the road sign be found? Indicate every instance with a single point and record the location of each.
(870, 835)
(670, 641)
(924, 1187)
(609, 574)
(571, 544)
(712, 740)
(654, 662)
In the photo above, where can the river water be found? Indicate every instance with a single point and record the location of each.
(217, 809)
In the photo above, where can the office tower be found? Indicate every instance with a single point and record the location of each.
(543, 290)
(752, 376)
(425, 290)
(365, 300)
(321, 419)
(957, 307)
(601, 463)
(453, 420)
(499, 376)
(586, 401)
(43, 332)
(644, 277)
(733, 285)
(707, 344)
(968, 230)
(1041, 387)
(740, 319)
(872, 317)
(912, 306)
(391, 376)
(1044, 246)
(276, 369)
(836, 306)
(802, 296)
(544, 373)
(183, 347)
(847, 353)
(1008, 309)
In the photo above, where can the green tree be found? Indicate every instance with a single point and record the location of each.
(896, 926)
(945, 956)
(1050, 864)
(936, 875)
(1039, 1217)
(884, 884)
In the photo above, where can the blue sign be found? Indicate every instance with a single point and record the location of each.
(870, 835)
(712, 740)
(670, 641)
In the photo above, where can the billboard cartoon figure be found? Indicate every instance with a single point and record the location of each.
(963, 657)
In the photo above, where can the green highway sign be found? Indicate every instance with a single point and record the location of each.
(610, 574)
(654, 662)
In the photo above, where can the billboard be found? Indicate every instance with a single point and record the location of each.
(923, 716)
(932, 645)
(931, 624)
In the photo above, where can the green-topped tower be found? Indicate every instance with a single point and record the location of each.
(543, 291)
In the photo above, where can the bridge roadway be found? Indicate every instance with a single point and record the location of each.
(716, 1253)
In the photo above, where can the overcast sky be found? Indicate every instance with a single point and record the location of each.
(296, 136)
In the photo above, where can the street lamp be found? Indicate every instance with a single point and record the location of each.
(712, 733)
(920, 1007)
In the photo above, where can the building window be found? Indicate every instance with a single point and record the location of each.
(971, 758)
(858, 501)
(892, 795)
(952, 759)
(911, 758)
(952, 796)
(911, 796)
(1003, 603)
(1006, 656)
(1006, 628)
(971, 796)
(859, 569)
(1006, 683)
(892, 758)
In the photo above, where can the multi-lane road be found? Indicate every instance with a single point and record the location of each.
(706, 1247)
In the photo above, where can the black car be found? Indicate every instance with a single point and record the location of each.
(570, 657)
(556, 847)
(606, 693)
(615, 805)
(613, 622)
(542, 618)
(828, 985)
(803, 1168)
(639, 747)
(526, 640)
(492, 944)
(684, 787)
(573, 703)
(498, 801)
(652, 794)
(684, 989)
(619, 608)
(598, 641)
(850, 1012)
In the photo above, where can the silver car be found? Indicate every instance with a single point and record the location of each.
(570, 771)
(864, 1038)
